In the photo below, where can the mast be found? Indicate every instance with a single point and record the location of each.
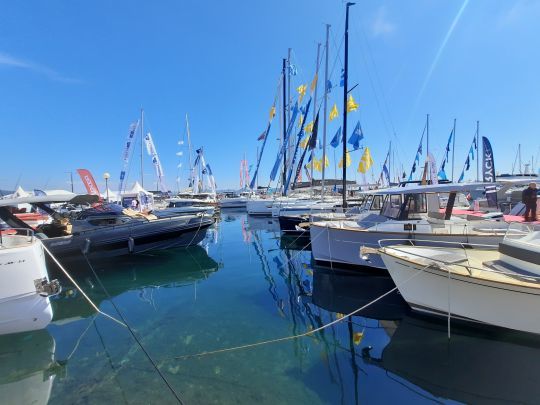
(345, 82)
(478, 151)
(324, 108)
(290, 144)
(519, 159)
(428, 171)
(189, 154)
(315, 106)
(142, 147)
(284, 107)
(453, 148)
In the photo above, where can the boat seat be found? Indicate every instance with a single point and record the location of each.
(511, 271)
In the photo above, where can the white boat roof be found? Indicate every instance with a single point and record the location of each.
(6, 202)
(434, 188)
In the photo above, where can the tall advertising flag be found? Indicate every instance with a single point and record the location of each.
(89, 182)
(488, 163)
(125, 155)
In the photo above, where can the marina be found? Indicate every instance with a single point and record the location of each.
(379, 241)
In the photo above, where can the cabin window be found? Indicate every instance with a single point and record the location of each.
(376, 205)
(367, 202)
(392, 206)
(416, 204)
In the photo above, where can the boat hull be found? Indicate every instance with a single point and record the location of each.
(22, 308)
(430, 290)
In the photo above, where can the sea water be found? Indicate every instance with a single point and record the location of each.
(244, 284)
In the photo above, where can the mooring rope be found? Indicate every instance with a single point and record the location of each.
(175, 394)
(304, 334)
(79, 288)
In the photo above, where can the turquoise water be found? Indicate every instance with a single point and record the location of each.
(244, 285)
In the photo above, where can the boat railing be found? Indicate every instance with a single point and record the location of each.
(26, 236)
(422, 242)
(519, 230)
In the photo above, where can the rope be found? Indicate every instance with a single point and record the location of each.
(79, 288)
(196, 233)
(308, 333)
(175, 394)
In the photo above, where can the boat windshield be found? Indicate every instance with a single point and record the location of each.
(377, 203)
(103, 210)
(409, 206)
(392, 206)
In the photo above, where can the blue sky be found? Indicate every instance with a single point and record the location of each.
(74, 74)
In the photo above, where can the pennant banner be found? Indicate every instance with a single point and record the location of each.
(366, 161)
(488, 163)
(127, 151)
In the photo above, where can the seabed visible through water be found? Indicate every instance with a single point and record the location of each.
(245, 284)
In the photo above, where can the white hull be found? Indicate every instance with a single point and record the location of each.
(21, 307)
(239, 202)
(262, 207)
(500, 304)
(341, 246)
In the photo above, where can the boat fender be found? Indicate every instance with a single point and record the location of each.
(131, 244)
(86, 247)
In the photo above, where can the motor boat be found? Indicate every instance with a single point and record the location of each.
(497, 285)
(412, 213)
(234, 200)
(108, 230)
(25, 287)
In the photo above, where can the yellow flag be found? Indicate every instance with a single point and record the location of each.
(272, 112)
(348, 161)
(309, 127)
(326, 161)
(351, 105)
(334, 113)
(317, 164)
(357, 338)
(366, 161)
(301, 92)
(314, 83)
(304, 142)
(300, 120)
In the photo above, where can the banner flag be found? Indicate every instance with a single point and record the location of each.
(89, 182)
(488, 163)
(125, 156)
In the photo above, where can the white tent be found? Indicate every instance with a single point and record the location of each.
(112, 195)
(20, 193)
(145, 198)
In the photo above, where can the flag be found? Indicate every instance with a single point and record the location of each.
(314, 83)
(366, 161)
(468, 163)
(309, 127)
(347, 161)
(342, 79)
(304, 142)
(313, 139)
(334, 112)
(488, 163)
(461, 177)
(351, 105)
(293, 71)
(300, 120)
(442, 174)
(89, 182)
(386, 172)
(262, 136)
(471, 152)
(317, 164)
(356, 137)
(301, 92)
(336, 140)
(272, 112)
(328, 86)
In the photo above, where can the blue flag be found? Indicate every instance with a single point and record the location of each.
(461, 177)
(336, 140)
(342, 80)
(356, 137)
(471, 151)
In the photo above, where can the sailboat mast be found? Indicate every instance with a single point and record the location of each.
(519, 157)
(478, 151)
(345, 82)
(284, 107)
(453, 147)
(324, 109)
(142, 147)
(189, 154)
(290, 144)
(315, 106)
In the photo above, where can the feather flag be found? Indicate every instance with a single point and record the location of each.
(347, 161)
(336, 140)
(314, 83)
(301, 92)
(351, 104)
(356, 137)
(334, 112)
(366, 161)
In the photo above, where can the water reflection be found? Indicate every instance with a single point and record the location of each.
(27, 367)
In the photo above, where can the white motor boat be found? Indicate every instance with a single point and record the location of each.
(405, 213)
(25, 286)
(234, 200)
(497, 285)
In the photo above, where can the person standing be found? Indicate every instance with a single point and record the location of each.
(529, 197)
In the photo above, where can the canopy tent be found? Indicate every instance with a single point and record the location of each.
(137, 192)
(110, 196)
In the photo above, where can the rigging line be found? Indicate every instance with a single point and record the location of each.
(175, 394)
(78, 287)
(307, 333)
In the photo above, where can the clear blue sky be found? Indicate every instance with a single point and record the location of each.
(74, 74)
